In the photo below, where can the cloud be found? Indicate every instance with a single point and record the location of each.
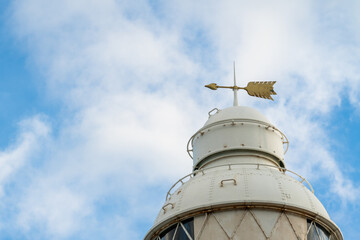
(60, 209)
(103, 154)
(128, 76)
(32, 133)
(114, 128)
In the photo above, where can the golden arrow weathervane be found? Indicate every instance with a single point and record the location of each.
(261, 89)
(256, 89)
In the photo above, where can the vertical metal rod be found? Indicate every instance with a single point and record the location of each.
(236, 103)
(186, 232)
(177, 226)
(202, 226)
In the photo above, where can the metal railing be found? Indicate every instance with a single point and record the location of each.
(258, 165)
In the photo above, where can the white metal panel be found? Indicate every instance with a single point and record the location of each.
(264, 185)
(246, 136)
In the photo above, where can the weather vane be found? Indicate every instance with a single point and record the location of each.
(261, 89)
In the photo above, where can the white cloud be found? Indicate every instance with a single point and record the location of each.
(126, 77)
(33, 131)
(118, 130)
(60, 209)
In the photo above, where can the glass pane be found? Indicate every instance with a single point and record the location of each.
(189, 226)
(168, 233)
(324, 235)
(312, 235)
(180, 234)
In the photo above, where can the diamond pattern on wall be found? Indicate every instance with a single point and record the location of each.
(266, 219)
(299, 225)
(283, 229)
(255, 224)
(230, 220)
(249, 224)
(212, 230)
(249, 229)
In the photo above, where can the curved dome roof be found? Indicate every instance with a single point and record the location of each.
(238, 186)
(238, 112)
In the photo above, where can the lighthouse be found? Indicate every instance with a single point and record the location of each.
(240, 187)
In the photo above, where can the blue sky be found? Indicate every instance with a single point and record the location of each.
(98, 100)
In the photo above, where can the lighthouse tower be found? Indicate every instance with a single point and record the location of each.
(239, 187)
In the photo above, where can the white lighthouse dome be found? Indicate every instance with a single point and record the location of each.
(239, 188)
(237, 112)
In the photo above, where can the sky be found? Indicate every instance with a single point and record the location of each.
(98, 99)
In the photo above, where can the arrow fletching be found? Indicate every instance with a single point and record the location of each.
(261, 89)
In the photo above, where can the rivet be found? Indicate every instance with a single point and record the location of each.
(242, 123)
(259, 146)
(242, 144)
(225, 146)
